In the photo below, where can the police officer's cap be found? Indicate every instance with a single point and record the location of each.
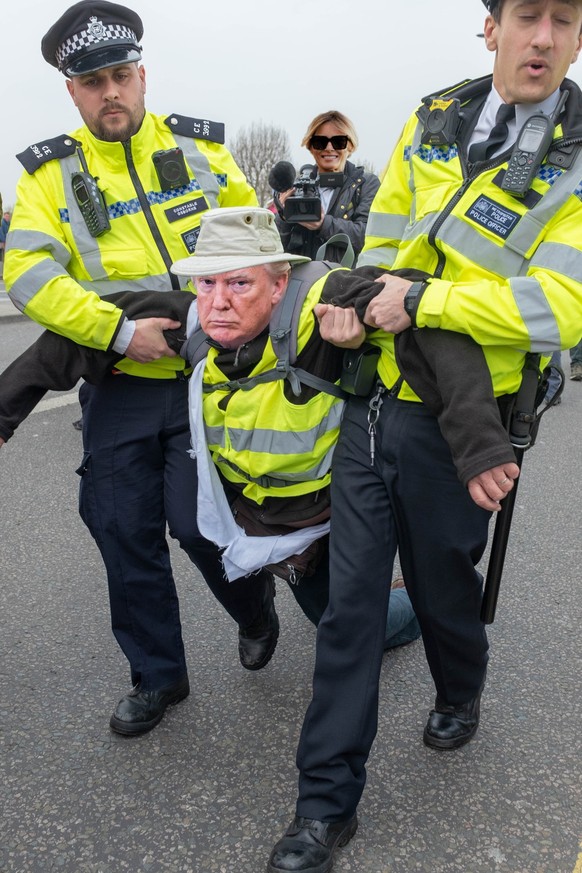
(91, 35)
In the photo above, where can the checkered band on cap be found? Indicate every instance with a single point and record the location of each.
(96, 32)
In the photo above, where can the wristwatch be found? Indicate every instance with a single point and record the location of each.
(412, 299)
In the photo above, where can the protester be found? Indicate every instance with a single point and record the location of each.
(108, 208)
(506, 271)
(331, 138)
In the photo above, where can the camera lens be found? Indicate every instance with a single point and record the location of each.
(171, 171)
(435, 121)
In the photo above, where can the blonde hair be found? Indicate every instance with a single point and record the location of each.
(340, 120)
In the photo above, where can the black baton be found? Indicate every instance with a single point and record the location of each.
(498, 549)
(522, 432)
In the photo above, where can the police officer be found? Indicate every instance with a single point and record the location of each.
(107, 208)
(503, 248)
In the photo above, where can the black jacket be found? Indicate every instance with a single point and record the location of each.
(347, 213)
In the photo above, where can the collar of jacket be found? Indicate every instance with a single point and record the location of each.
(473, 92)
(141, 142)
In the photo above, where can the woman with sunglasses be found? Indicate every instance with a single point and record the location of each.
(331, 139)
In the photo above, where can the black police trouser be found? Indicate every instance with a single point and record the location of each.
(137, 476)
(410, 500)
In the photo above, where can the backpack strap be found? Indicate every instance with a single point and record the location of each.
(196, 347)
(285, 328)
(342, 239)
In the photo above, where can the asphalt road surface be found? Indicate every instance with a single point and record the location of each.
(213, 786)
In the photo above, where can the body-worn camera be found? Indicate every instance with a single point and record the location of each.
(441, 121)
(170, 168)
(304, 204)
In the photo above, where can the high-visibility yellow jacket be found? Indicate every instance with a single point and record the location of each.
(56, 271)
(262, 439)
(508, 271)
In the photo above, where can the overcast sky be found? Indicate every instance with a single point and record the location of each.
(240, 61)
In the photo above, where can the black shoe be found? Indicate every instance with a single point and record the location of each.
(140, 711)
(308, 845)
(78, 424)
(449, 727)
(258, 641)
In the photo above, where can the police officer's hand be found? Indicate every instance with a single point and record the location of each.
(386, 310)
(340, 326)
(489, 488)
(148, 342)
(1, 442)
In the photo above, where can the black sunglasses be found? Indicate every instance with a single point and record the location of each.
(337, 142)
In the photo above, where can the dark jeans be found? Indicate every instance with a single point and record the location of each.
(576, 353)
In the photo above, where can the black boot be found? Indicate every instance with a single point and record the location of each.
(257, 641)
(308, 845)
(449, 727)
(140, 711)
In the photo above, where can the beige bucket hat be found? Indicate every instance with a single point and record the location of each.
(233, 238)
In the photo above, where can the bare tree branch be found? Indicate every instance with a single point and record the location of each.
(256, 149)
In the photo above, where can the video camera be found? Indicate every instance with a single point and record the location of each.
(304, 204)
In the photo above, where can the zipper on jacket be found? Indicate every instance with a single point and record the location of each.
(443, 215)
(146, 208)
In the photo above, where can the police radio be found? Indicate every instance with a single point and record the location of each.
(530, 149)
(91, 203)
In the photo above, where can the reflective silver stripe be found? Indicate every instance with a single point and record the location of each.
(537, 314)
(148, 283)
(529, 296)
(560, 258)
(87, 245)
(29, 283)
(472, 245)
(285, 479)
(200, 166)
(37, 241)
(33, 280)
(271, 442)
(386, 225)
(381, 255)
(420, 228)
(214, 435)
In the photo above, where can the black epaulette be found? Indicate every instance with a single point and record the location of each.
(49, 150)
(199, 128)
